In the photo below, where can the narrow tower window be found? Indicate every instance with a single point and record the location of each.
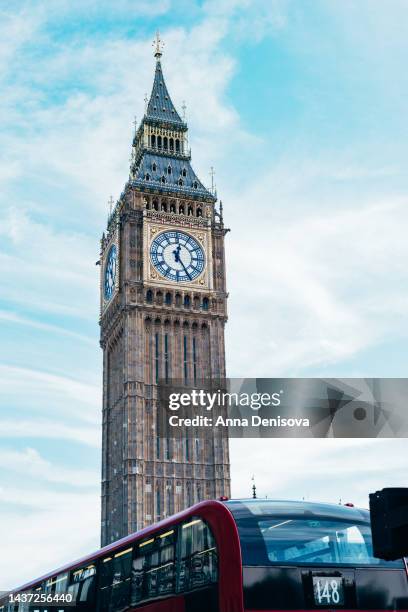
(156, 357)
(166, 357)
(167, 299)
(149, 296)
(157, 436)
(158, 503)
(206, 303)
(185, 358)
(168, 169)
(153, 140)
(195, 360)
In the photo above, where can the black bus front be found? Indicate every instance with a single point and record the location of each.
(306, 556)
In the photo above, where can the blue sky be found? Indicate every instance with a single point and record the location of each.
(301, 106)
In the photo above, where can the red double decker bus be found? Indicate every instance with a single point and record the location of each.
(233, 556)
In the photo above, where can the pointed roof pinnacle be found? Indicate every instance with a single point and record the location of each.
(160, 107)
(158, 45)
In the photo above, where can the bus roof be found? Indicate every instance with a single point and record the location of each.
(198, 508)
(241, 508)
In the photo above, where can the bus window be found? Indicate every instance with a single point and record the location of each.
(122, 568)
(82, 585)
(115, 575)
(22, 607)
(153, 572)
(105, 583)
(165, 572)
(197, 565)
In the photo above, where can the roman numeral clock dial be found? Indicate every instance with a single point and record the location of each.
(177, 256)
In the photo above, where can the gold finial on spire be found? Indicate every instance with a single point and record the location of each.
(158, 45)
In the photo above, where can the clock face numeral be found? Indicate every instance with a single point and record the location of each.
(110, 272)
(177, 256)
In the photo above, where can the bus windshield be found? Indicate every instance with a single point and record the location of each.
(318, 542)
(304, 536)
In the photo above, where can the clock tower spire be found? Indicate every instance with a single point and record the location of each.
(163, 313)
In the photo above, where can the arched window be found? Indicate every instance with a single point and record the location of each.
(206, 303)
(147, 177)
(169, 169)
(154, 167)
(177, 145)
(190, 210)
(153, 140)
(187, 301)
(159, 142)
(181, 208)
(148, 204)
(168, 299)
(159, 298)
(180, 183)
(184, 172)
(163, 179)
(172, 207)
(164, 206)
(165, 142)
(196, 301)
(149, 296)
(171, 144)
(199, 212)
(195, 184)
(155, 205)
(178, 299)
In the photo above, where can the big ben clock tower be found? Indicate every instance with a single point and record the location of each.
(163, 312)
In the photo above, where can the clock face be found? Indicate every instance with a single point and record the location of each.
(110, 272)
(177, 256)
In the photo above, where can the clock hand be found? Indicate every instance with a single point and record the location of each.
(185, 269)
(176, 254)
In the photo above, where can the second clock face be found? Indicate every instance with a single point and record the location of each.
(110, 273)
(177, 256)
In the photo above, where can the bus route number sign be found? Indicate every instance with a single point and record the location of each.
(328, 590)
